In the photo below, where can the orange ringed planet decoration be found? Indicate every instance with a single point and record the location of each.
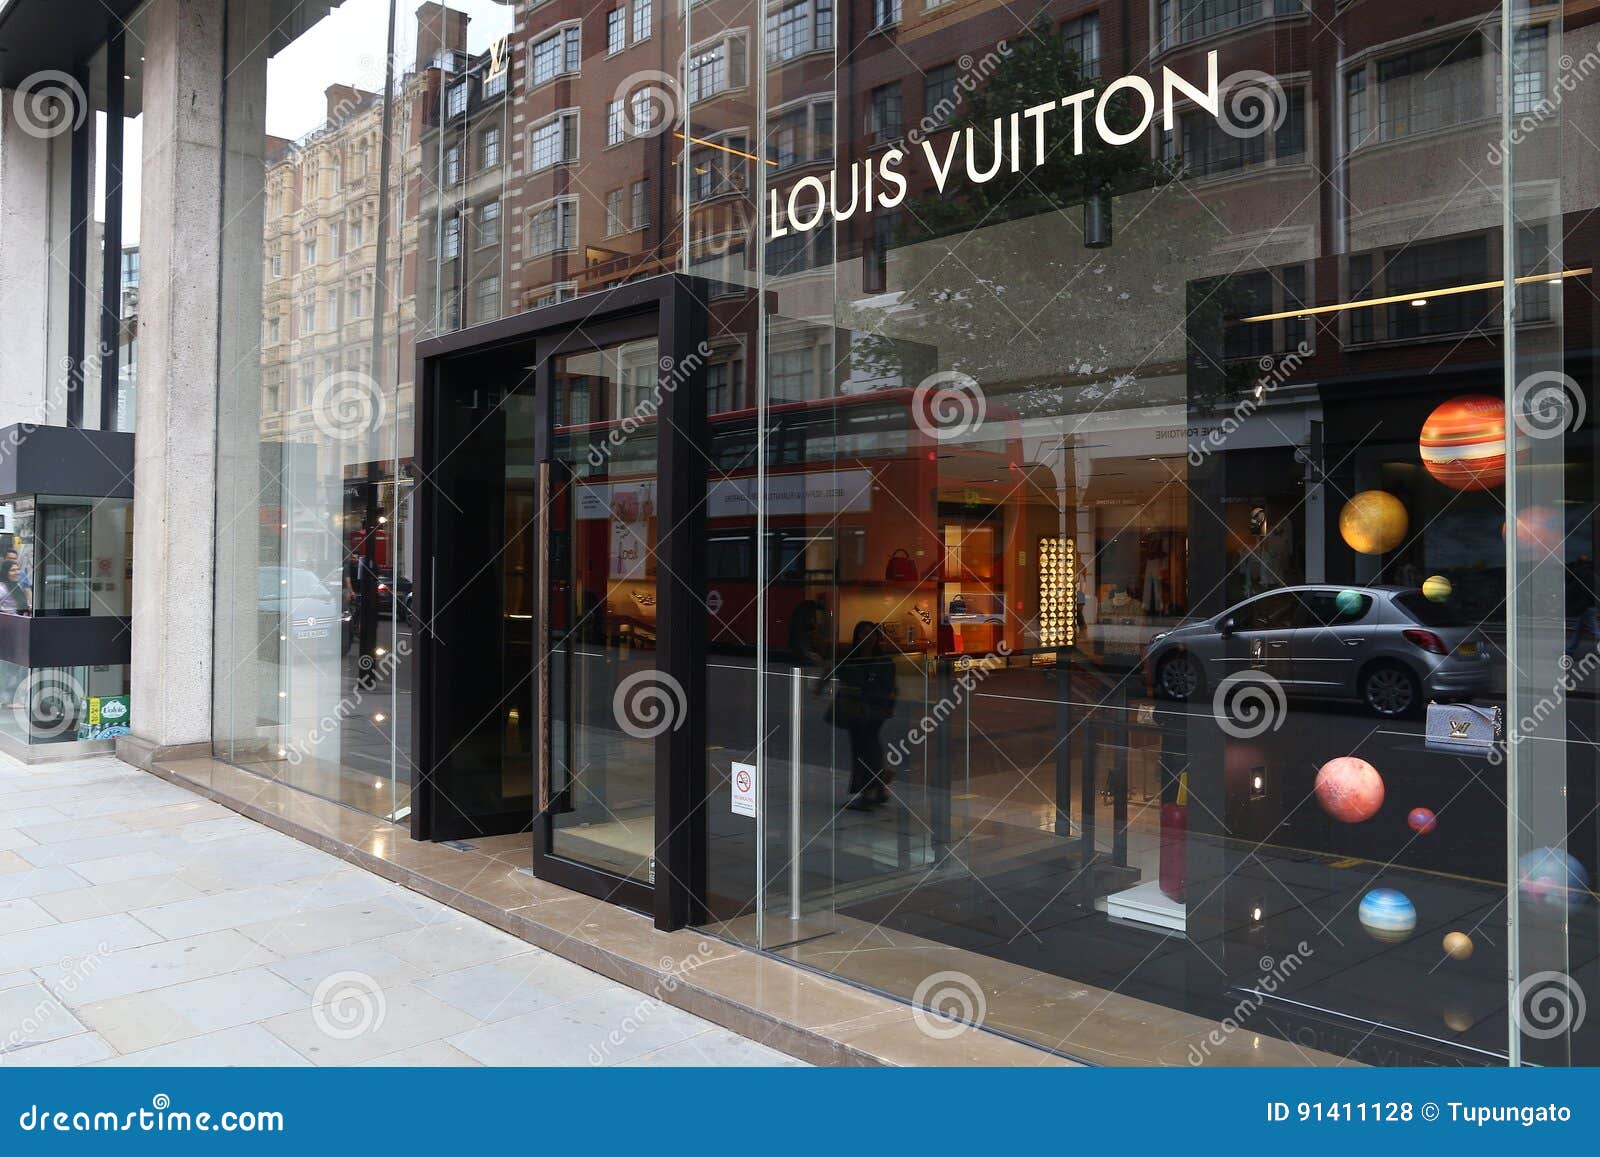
(1463, 442)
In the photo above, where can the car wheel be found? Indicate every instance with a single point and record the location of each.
(1391, 690)
(1178, 677)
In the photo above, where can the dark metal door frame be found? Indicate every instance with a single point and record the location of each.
(671, 307)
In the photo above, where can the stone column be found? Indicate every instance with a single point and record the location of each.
(24, 267)
(176, 455)
(249, 471)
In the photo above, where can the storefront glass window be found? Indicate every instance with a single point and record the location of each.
(321, 261)
(1152, 621)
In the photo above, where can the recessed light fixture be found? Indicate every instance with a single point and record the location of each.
(1419, 301)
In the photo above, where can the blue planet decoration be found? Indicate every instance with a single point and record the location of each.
(1348, 602)
(1550, 880)
(1388, 915)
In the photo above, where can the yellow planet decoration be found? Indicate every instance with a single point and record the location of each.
(1458, 945)
(1373, 522)
(1437, 588)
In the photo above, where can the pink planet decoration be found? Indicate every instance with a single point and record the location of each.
(1540, 530)
(1349, 789)
(1422, 820)
(1463, 442)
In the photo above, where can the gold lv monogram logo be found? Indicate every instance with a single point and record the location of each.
(1459, 728)
(497, 59)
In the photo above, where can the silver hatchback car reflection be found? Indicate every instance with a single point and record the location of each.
(1389, 647)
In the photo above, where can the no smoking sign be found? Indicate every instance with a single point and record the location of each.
(744, 789)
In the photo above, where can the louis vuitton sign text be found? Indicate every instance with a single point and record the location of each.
(1024, 139)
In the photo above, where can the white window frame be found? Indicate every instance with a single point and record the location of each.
(571, 242)
(725, 40)
(635, 8)
(622, 20)
(569, 32)
(499, 222)
(636, 222)
(560, 291)
(569, 134)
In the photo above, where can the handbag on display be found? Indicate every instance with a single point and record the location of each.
(1462, 729)
(900, 568)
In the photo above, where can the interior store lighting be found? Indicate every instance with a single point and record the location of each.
(1057, 582)
(1422, 299)
(725, 149)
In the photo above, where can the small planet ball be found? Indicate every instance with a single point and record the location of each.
(1422, 820)
(1463, 442)
(1387, 915)
(1458, 945)
(1349, 789)
(1551, 880)
(1457, 1019)
(1437, 588)
(1348, 602)
(1373, 522)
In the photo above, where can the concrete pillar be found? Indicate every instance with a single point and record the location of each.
(249, 474)
(175, 498)
(24, 268)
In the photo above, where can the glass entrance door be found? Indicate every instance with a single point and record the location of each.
(603, 698)
(562, 525)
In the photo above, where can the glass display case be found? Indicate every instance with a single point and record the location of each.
(66, 590)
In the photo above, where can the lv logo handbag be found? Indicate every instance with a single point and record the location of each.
(1463, 728)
